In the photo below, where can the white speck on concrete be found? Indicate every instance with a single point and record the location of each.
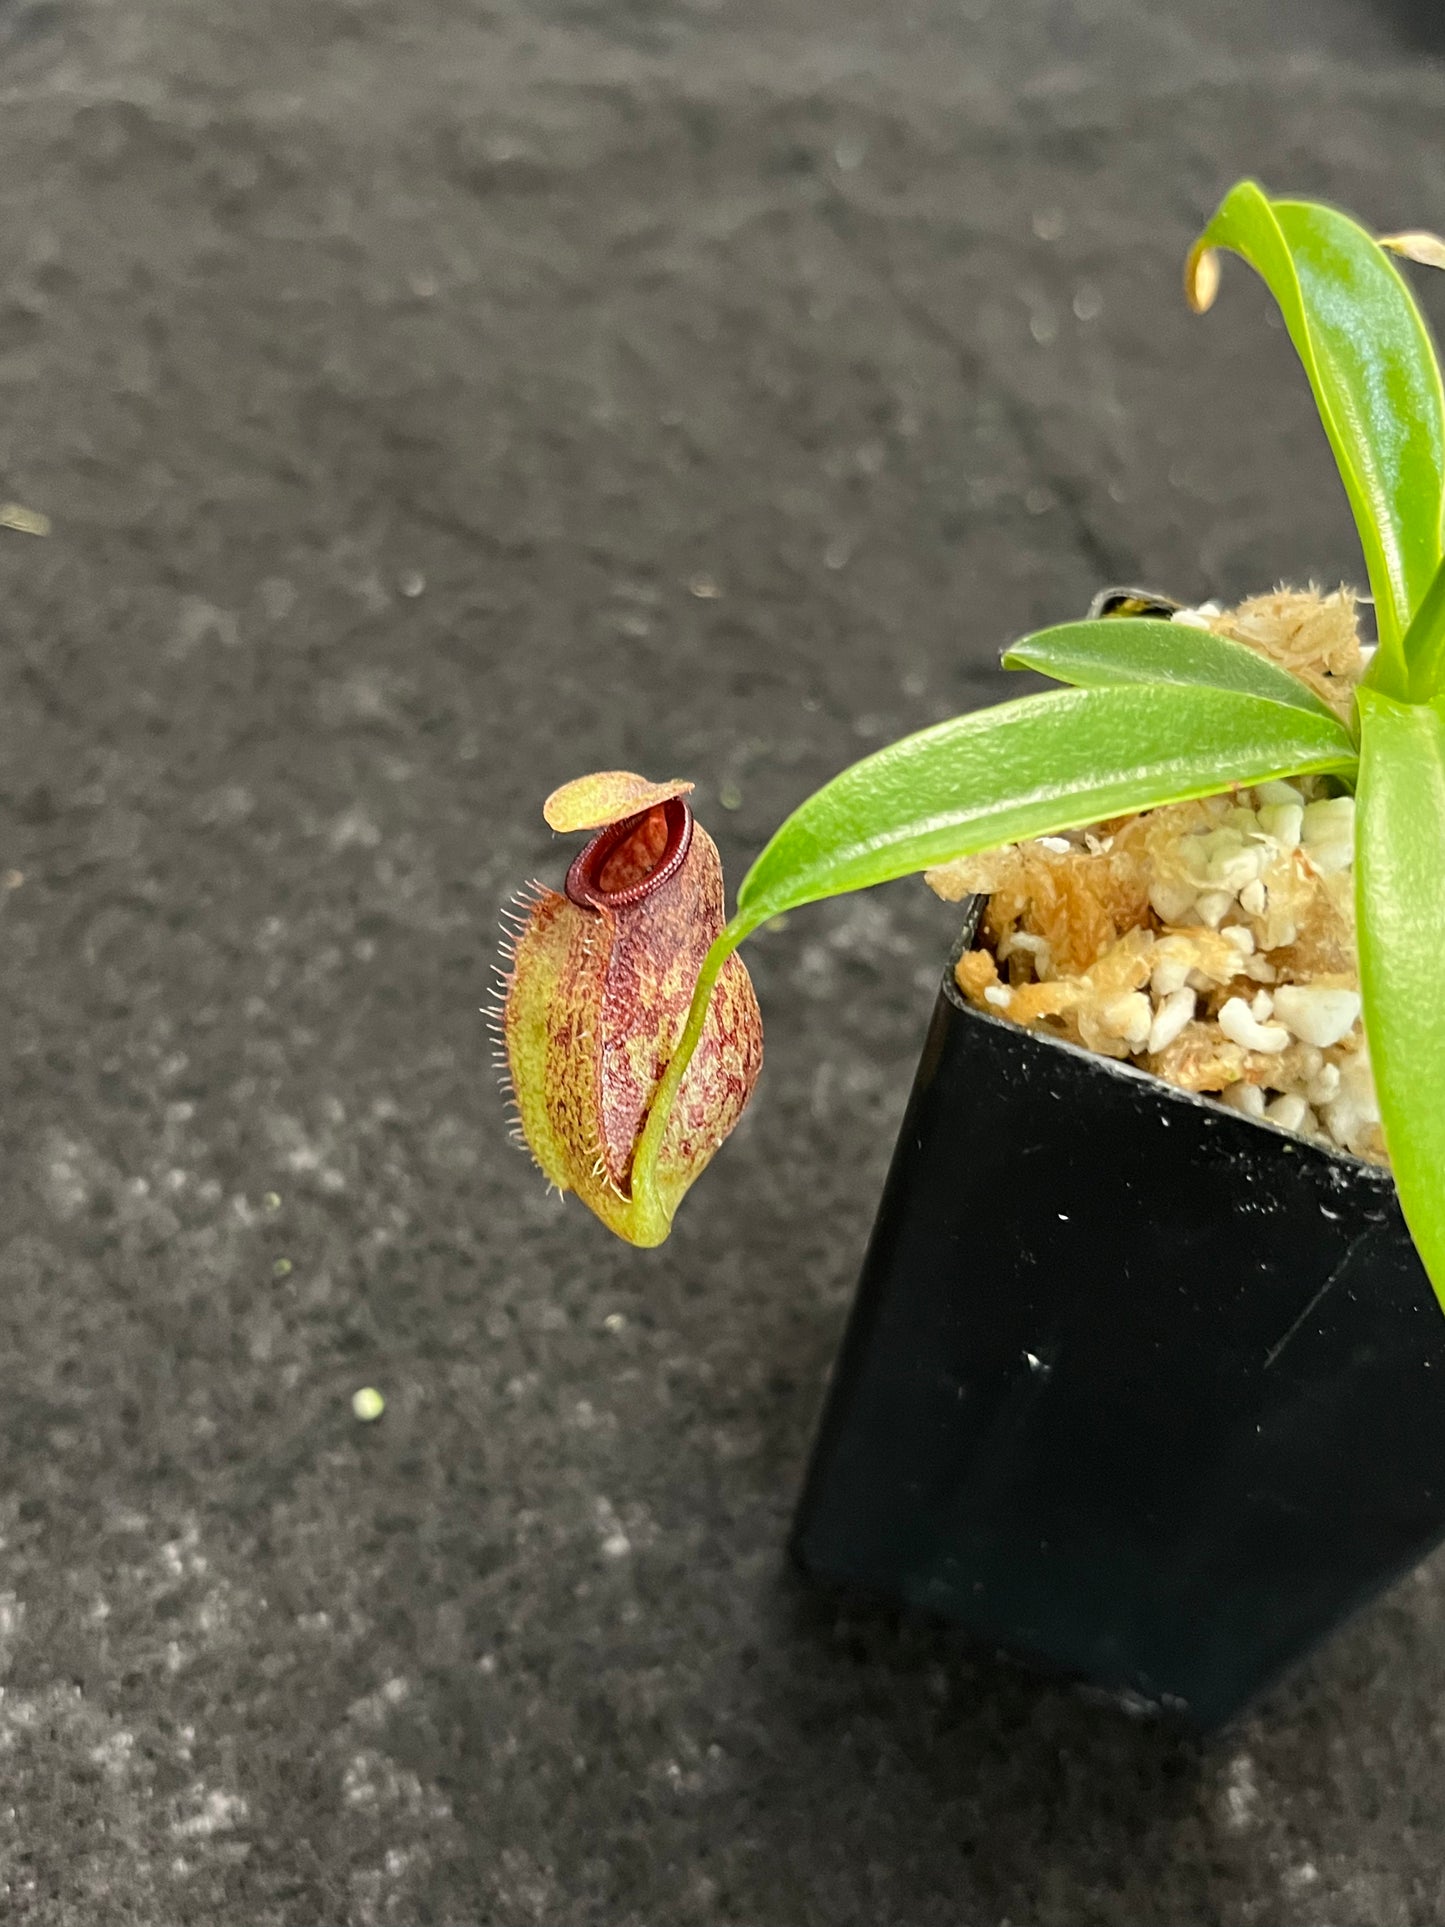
(215, 1811)
(199, 621)
(113, 1754)
(1241, 1794)
(372, 1782)
(353, 827)
(615, 1543)
(12, 1619)
(373, 1709)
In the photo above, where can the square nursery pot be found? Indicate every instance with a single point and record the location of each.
(1134, 1387)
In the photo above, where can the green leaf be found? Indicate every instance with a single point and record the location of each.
(1425, 643)
(1024, 769)
(1400, 892)
(1376, 383)
(1143, 649)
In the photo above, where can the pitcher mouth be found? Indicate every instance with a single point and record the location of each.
(627, 861)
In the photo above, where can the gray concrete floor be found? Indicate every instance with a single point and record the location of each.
(394, 373)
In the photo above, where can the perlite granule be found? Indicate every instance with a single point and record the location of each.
(1210, 942)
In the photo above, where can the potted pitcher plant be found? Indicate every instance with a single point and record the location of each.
(1145, 1376)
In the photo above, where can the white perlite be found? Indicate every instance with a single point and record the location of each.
(1316, 1014)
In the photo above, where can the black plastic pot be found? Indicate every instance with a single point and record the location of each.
(1133, 1387)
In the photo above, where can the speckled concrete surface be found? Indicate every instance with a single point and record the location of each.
(431, 401)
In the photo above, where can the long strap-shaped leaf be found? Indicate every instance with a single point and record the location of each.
(1400, 883)
(1425, 643)
(1364, 346)
(1143, 649)
(1024, 769)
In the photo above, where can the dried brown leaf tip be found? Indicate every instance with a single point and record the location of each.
(1201, 279)
(1417, 244)
(597, 992)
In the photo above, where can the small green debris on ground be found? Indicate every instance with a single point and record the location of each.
(14, 515)
(368, 1404)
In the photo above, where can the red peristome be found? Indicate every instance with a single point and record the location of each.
(630, 860)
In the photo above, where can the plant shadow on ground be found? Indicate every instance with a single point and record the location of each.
(957, 1782)
(940, 1753)
(1421, 23)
